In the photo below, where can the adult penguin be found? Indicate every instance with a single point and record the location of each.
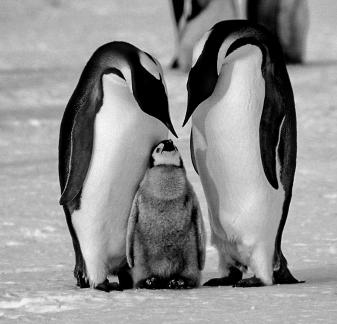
(288, 20)
(117, 113)
(243, 145)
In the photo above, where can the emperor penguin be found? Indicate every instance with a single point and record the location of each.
(243, 146)
(192, 19)
(166, 235)
(288, 20)
(117, 113)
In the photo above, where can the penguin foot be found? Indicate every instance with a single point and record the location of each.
(177, 283)
(234, 276)
(150, 283)
(82, 281)
(125, 279)
(249, 282)
(108, 286)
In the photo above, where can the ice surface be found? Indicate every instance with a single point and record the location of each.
(44, 44)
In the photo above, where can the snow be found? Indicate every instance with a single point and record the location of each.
(44, 44)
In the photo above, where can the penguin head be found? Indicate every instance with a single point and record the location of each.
(149, 89)
(166, 154)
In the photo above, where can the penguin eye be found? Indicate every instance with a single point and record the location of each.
(157, 150)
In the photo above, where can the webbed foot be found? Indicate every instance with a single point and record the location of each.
(249, 282)
(177, 283)
(109, 286)
(150, 283)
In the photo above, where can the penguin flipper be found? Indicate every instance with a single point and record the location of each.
(194, 162)
(270, 130)
(76, 149)
(200, 232)
(133, 218)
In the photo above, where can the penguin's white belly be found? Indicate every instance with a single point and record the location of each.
(244, 207)
(123, 139)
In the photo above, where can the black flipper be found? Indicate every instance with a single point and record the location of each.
(76, 148)
(194, 162)
(278, 100)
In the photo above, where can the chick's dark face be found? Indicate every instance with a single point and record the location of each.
(166, 153)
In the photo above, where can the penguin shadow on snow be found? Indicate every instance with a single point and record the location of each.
(318, 275)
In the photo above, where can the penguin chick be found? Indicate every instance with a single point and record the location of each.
(165, 235)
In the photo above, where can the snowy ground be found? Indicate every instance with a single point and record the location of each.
(43, 46)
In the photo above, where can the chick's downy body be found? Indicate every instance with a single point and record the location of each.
(166, 233)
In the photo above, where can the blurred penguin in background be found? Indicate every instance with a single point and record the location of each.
(287, 19)
(193, 18)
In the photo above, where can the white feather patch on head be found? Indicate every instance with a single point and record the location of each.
(149, 65)
(114, 79)
(223, 50)
(125, 69)
(161, 157)
(154, 68)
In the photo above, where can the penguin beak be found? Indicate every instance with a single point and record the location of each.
(150, 94)
(171, 128)
(191, 103)
(189, 111)
(187, 117)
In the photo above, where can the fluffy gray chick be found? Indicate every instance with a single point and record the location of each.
(165, 235)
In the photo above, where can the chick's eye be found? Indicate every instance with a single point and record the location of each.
(158, 150)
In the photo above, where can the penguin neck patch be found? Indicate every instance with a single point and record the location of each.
(150, 65)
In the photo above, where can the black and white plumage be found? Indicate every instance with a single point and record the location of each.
(117, 113)
(243, 146)
(166, 236)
